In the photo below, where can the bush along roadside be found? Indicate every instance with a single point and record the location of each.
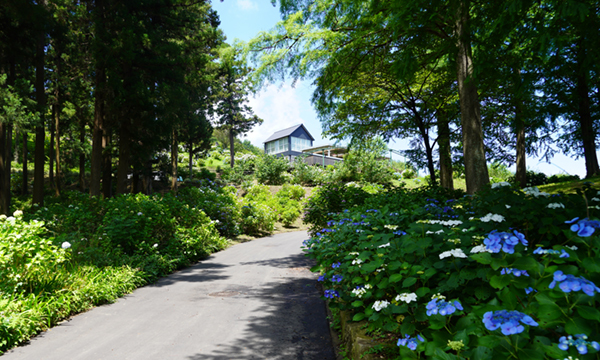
(504, 274)
(59, 260)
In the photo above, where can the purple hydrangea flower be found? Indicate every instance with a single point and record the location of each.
(505, 241)
(331, 294)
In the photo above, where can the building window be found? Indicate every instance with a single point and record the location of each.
(299, 144)
(277, 146)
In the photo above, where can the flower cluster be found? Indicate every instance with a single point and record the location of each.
(568, 283)
(584, 227)
(555, 206)
(399, 232)
(580, 342)
(336, 278)
(496, 241)
(563, 253)
(442, 307)
(380, 304)
(406, 297)
(410, 342)
(533, 191)
(508, 321)
(361, 290)
(335, 265)
(444, 222)
(492, 217)
(331, 294)
(480, 249)
(515, 272)
(500, 184)
(454, 252)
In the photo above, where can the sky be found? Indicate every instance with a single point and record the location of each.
(282, 105)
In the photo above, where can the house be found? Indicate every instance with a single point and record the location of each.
(295, 141)
(289, 142)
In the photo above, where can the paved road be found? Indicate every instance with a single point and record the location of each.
(255, 300)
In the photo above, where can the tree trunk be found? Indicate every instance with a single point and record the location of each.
(588, 135)
(97, 132)
(190, 161)
(124, 167)
(446, 179)
(40, 133)
(174, 155)
(81, 155)
(51, 152)
(24, 184)
(231, 147)
(57, 150)
(106, 165)
(476, 171)
(4, 168)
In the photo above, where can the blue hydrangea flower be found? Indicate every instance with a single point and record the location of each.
(584, 227)
(562, 253)
(580, 342)
(331, 294)
(442, 307)
(400, 232)
(335, 265)
(505, 241)
(322, 278)
(410, 342)
(515, 272)
(509, 322)
(568, 283)
(337, 278)
(529, 290)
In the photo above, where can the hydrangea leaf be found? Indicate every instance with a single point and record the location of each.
(482, 353)
(588, 313)
(578, 326)
(357, 303)
(526, 263)
(549, 312)
(395, 278)
(482, 258)
(358, 317)
(409, 282)
(499, 281)
(489, 341)
(530, 354)
(422, 291)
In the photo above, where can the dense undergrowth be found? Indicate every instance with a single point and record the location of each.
(77, 252)
(503, 274)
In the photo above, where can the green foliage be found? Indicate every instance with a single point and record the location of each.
(304, 174)
(270, 169)
(560, 178)
(423, 242)
(533, 178)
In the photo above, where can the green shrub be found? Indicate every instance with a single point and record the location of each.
(270, 169)
(257, 218)
(305, 174)
(560, 178)
(533, 178)
(293, 192)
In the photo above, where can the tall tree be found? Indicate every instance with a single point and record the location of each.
(233, 114)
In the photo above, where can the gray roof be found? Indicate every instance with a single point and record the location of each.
(287, 132)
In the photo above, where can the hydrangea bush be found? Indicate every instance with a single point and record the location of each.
(499, 275)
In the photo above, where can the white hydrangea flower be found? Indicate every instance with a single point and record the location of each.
(555, 206)
(454, 252)
(357, 262)
(572, 247)
(18, 213)
(66, 245)
(384, 245)
(441, 231)
(380, 304)
(406, 297)
(479, 249)
(140, 213)
(391, 227)
(492, 217)
(445, 222)
(595, 199)
(507, 206)
(534, 191)
(500, 184)
(2, 217)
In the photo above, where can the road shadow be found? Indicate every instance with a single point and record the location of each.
(292, 261)
(198, 273)
(290, 325)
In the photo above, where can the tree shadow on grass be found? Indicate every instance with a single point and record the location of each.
(291, 324)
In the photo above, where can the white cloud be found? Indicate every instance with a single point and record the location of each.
(247, 5)
(279, 107)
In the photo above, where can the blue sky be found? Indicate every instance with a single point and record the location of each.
(280, 105)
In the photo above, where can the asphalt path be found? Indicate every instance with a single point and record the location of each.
(255, 300)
